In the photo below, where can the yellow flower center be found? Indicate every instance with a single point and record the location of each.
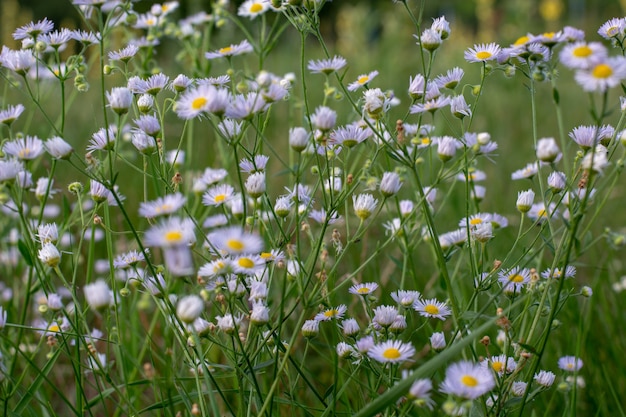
(363, 290)
(483, 55)
(570, 366)
(54, 328)
(164, 208)
(517, 278)
(431, 309)
(425, 141)
(363, 79)
(226, 50)
(612, 31)
(582, 51)
(173, 236)
(150, 22)
(245, 262)
(23, 153)
(475, 221)
(218, 266)
(256, 8)
(549, 35)
(602, 71)
(497, 366)
(391, 353)
(198, 103)
(267, 255)
(469, 381)
(521, 41)
(220, 198)
(331, 313)
(542, 213)
(234, 244)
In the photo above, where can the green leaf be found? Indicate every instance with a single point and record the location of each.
(21, 246)
(529, 348)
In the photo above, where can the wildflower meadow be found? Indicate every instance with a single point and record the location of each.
(219, 213)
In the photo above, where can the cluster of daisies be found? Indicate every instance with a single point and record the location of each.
(218, 233)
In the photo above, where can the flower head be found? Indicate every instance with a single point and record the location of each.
(482, 52)
(362, 80)
(391, 351)
(467, 380)
(432, 308)
(327, 66)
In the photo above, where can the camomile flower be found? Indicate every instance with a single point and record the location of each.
(362, 80)
(363, 289)
(570, 272)
(350, 135)
(528, 171)
(539, 212)
(162, 206)
(432, 308)
(327, 66)
(248, 264)
(500, 364)
(128, 259)
(570, 363)
(581, 55)
(467, 380)
(125, 54)
(391, 351)
(218, 195)
(331, 313)
(26, 148)
(10, 114)
(614, 28)
(243, 47)
(482, 52)
(364, 205)
(235, 241)
(451, 79)
(103, 139)
(405, 298)
(252, 8)
(475, 219)
(514, 279)
(602, 75)
(32, 29)
(173, 231)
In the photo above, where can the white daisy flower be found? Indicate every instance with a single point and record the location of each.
(231, 50)
(513, 280)
(26, 148)
(10, 114)
(467, 380)
(218, 195)
(162, 206)
(363, 289)
(391, 351)
(332, 313)
(602, 75)
(582, 55)
(235, 241)
(362, 80)
(482, 52)
(570, 363)
(327, 66)
(432, 308)
(252, 8)
(614, 28)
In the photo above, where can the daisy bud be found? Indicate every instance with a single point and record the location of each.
(586, 291)
(283, 206)
(50, 255)
(298, 138)
(58, 148)
(547, 150)
(260, 314)
(438, 341)
(390, 184)
(557, 181)
(375, 103)
(255, 184)
(482, 232)
(324, 118)
(525, 200)
(310, 328)
(364, 205)
(145, 102)
(430, 39)
(446, 148)
(350, 327)
(98, 295)
(459, 107)
(120, 99)
(189, 308)
(344, 350)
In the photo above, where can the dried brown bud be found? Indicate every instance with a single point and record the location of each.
(177, 179)
(349, 179)
(195, 410)
(400, 131)
(496, 264)
(97, 220)
(485, 340)
(148, 370)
